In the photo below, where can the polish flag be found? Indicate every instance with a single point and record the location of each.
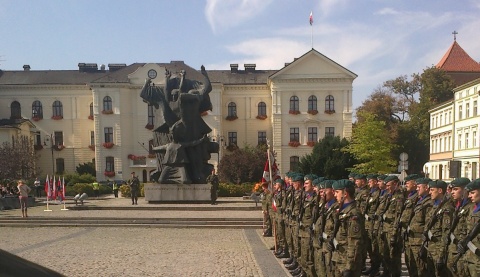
(54, 188)
(266, 169)
(63, 188)
(274, 205)
(47, 187)
(311, 18)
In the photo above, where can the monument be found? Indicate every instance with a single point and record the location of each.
(180, 138)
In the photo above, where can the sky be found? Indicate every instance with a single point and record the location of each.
(378, 40)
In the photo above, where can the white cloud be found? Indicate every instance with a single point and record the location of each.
(387, 11)
(327, 6)
(224, 14)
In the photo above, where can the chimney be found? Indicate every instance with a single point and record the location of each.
(234, 67)
(250, 67)
(26, 67)
(116, 66)
(87, 67)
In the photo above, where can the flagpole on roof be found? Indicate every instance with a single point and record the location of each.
(311, 28)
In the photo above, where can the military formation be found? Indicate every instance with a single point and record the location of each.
(333, 227)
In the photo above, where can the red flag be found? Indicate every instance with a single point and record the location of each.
(311, 18)
(274, 205)
(63, 188)
(47, 187)
(54, 188)
(266, 170)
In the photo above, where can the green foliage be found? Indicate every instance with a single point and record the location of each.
(18, 158)
(327, 159)
(87, 188)
(243, 165)
(371, 146)
(235, 190)
(125, 190)
(86, 168)
(74, 178)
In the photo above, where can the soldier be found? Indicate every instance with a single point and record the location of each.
(346, 243)
(277, 209)
(287, 217)
(437, 228)
(458, 229)
(371, 207)
(470, 245)
(212, 180)
(377, 242)
(266, 210)
(134, 184)
(295, 267)
(309, 203)
(361, 192)
(391, 209)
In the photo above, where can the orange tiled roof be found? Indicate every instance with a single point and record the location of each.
(456, 59)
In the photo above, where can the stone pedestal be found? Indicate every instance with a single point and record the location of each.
(171, 192)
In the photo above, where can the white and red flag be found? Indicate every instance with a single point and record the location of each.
(54, 188)
(266, 170)
(47, 187)
(63, 188)
(311, 18)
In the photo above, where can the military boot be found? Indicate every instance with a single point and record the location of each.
(288, 261)
(296, 271)
(291, 266)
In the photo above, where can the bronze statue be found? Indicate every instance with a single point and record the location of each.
(180, 134)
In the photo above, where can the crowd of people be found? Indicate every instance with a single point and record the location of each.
(8, 190)
(330, 227)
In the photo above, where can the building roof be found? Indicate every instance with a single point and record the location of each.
(457, 60)
(48, 77)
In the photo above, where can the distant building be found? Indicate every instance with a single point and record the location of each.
(93, 114)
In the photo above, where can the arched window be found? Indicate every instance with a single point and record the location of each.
(312, 103)
(294, 105)
(109, 164)
(232, 109)
(57, 109)
(294, 161)
(37, 110)
(91, 111)
(107, 103)
(15, 110)
(329, 104)
(262, 109)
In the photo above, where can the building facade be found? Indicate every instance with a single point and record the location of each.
(96, 114)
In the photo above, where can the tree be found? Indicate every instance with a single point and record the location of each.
(86, 168)
(371, 146)
(243, 165)
(18, 159)
(327, 159)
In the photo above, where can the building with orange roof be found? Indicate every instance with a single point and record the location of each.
(459, 65)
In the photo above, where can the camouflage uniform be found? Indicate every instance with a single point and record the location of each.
(461, 212)
(305, 232)
(277, 199)
(407, 215)
(266, 209)
(371, 243)
(324, 226)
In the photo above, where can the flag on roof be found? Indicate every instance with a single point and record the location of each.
(311, 18)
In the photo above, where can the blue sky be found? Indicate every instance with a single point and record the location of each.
(377, 39)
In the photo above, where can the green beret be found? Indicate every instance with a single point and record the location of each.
(342, 184)
(290, 174)
(390, 178)
(460, 182)
(382, 177)
(423, 181)
(412, 177)
(317, 181)
(328, 184)
(297, 177)
(352, 175)
(438, 184)
(372, 176)
(280, 181)
(360, 176)
(473, 185)
(310, 177)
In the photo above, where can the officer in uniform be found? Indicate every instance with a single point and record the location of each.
(134, 184)
(287, 217)
(470, 248)
(458, 230)
(377, 242)
(305, 234)
(277, 209)
(295, 267)
(346, 243)
(213, 181)
(371, 206)
(392, 250)
(266, 210)
(407, 214)
(437, 228)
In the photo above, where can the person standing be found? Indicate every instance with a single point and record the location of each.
(134, 184)
(115, 188)
(23, 191)
(96, 189)
(212, 180)
(266, 197)
(38, 187)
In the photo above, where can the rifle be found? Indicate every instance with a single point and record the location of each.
(467, 242)
(427, 234)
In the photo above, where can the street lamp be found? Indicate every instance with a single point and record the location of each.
(46, 139)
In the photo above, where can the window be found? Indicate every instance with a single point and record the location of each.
(262, 137)
(460, 112)
(329, 131)
(449, 117)
(109, 164)
(150, 147)
(474, 138)
(445, 144)
(466, 140)
(107, 103)
(37, 110)
(459, 141)
(60, 165)
(58, 137)
(232, 138)
(312, 103)
(441, 122)
(108, 131)
(38, 139)
(262, 109)
(475, 108)
(294, 104)
(294, 162)
(441, 145)
(92, 137)
(450, 143)
(312, 134)
(150, 115)
(232, 109)
(329, 104)
(15, 110)
(467, 110)
(57, 109)
(91, 111)
(294, 134)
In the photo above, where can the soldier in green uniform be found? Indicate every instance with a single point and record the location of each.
(458, 230)
(391, 209)
(469, 248)
(346, 243)
(287, 217)
(371, 206)
(212, 180)
(277, 210)
(297, 180)
(266, 210)
(377, 242)
(407, 214)
(305, 234)
(437, 228)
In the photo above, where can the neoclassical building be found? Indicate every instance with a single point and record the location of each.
(96, 114)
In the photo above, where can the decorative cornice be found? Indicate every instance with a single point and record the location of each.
(314, 80)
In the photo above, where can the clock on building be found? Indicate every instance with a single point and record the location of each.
(152, 74)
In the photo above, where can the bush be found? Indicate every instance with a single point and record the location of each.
(75, 178)
(125, 190)
(87, 188)
(233, 190)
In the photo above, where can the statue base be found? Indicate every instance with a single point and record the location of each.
(155, 192)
